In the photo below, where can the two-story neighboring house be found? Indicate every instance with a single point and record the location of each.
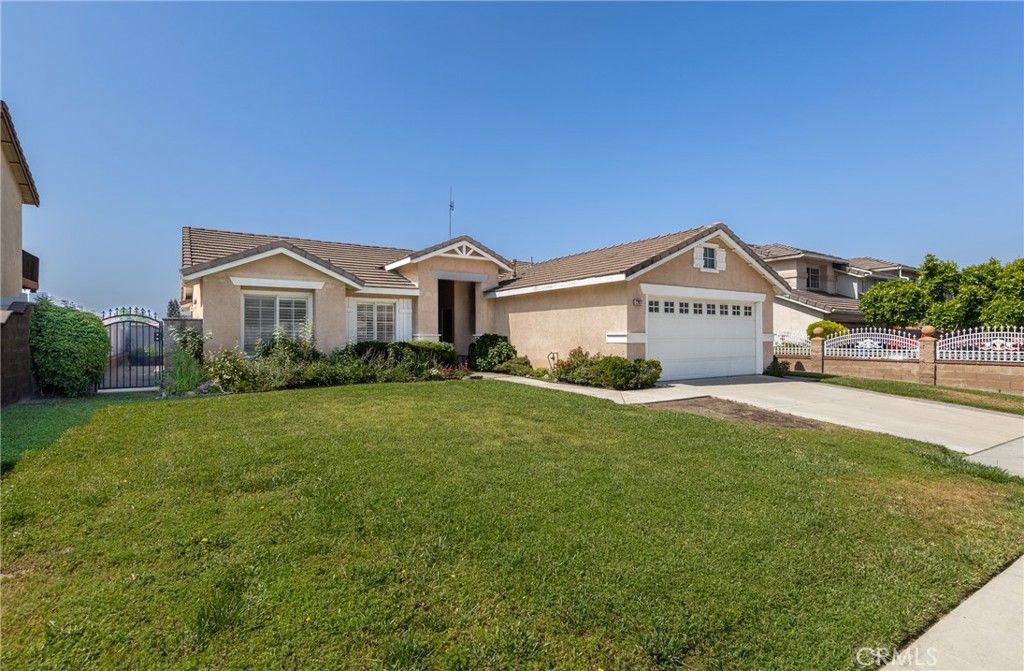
(823, 286)
(19, 270)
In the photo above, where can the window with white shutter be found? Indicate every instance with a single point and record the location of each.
(375, 321)
(262, 313)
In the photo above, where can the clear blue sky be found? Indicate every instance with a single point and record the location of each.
(888, 130)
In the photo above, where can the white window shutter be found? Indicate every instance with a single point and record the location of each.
(403, 327)
(351, 322)
(720, 258)
(698, 257)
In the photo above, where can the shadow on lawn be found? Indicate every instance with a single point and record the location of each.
(39, 423)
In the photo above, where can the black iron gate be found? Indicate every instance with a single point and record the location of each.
(136, 349)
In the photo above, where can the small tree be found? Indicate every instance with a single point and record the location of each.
(894, 303)
(173, 308)
(70, 348)
(829, 328)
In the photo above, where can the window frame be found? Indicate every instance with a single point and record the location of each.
(277, 296)
(376, 333)
(713, 258)
(653, 306)
(817, 278)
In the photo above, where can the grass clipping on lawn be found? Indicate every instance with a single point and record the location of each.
(475, 525)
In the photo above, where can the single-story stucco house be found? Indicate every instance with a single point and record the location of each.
(698, 300)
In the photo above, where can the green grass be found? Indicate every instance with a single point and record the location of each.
(32, 425)
(481, 525)
(975, 398)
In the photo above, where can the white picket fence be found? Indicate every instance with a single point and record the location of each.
(874, 343)
(999, 343)
(786, 344)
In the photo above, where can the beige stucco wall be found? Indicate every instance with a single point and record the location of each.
(424, 321)
(220, 305)
(793, 319)
(737, 276)
(218, 302)
(10, 234)
(558, 321)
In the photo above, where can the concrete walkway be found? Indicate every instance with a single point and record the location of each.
(985, 632)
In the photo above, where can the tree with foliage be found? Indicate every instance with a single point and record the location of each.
(173, 308)
(985, 294)
(69, 348)
(894, 303)
(940, 279)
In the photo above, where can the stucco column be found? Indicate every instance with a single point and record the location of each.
(484, 320)
(926, 362)
(817, 364)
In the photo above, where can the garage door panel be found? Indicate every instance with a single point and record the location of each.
(692, 345)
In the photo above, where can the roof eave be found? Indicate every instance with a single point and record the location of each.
(26, 183)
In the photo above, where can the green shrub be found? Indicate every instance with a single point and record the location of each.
(320, 374)
(299, 348)
(517, 366)
(777, 368)
(191, 341)
(437, 353)
(185, 375)
(233, 372)
(830, 328)
(611, 372)
(70, 348)
(285, 365)
(489, 351)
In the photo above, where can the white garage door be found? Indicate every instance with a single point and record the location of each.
(699, 338)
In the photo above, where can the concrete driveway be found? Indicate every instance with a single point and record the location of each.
(994, 438)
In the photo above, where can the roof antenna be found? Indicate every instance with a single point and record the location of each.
(451, 208)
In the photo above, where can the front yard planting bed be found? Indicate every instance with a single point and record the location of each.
(481, 525)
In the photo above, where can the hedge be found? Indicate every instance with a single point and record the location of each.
(70, 348)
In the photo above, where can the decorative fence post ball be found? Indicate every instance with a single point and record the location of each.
(818, 332)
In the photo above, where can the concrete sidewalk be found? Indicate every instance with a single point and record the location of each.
(984, 633)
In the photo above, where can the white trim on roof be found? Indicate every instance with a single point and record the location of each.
(459, 277)
(700, 292)
(732, 244)
(384, 291)
(275, 284)
(568, 284)
(463, 249)
(265, 255)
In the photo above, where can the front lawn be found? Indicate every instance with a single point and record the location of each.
(974, 398)
(482, 525)
(35, 424)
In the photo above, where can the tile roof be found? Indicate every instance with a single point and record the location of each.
(628, 258)
(825, 302)
(200, 247)
(204, 248)
(871, 263)
(776, 250)
(15, 157)
(462, 238)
